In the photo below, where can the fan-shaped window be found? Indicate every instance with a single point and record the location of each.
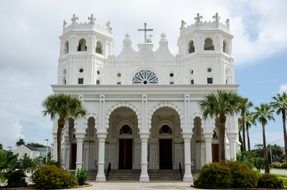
(145, 77)
(225, 47)
(82, 45)
(99, 48)
(191, 47)
(214, 135)
(208, 44)
(66, 47)
(126, 130)
(165, 129)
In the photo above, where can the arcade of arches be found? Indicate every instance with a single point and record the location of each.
(125, 147)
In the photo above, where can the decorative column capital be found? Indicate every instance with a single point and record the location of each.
(232, 136)
(102, 135)
(187, 135)
(80, 136)
(144, 136)
(208, 136)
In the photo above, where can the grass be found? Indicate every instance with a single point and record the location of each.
(284, 179)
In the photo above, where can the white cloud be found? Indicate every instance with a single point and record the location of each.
(283, 88)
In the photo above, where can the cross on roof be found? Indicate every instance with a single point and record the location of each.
(197, 18)
(92, 19)
(145, 29)
(74, 18)
(216, 18)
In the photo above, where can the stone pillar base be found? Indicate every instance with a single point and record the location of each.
(101, 178)
(188, 178)
(144, 177)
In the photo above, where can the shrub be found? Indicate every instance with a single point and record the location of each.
(242, 175)
(276, 165)
(226, 175)
(215, 175)
(15, 178)
(82, 176)
(52, 177)
(270, 181)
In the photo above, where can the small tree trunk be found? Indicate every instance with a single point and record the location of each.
(285, 133)
(248, 138)
(61, 124)
(222, 119)
(266, 164)
(243, 132)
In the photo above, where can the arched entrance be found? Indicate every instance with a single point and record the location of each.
(165, 142)
(123, 142)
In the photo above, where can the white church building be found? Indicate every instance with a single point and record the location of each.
(142, 105)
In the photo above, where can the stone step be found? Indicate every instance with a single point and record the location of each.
(171, 175)
(127, 175)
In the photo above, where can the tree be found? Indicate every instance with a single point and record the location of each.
(20, 142)
(62, 107)
(36, 145)
(264, 113)
(250, 120)
(243, 107)
(220, 105)
(279, 104)
(1, 146)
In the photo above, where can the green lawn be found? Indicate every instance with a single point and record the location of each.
(284, 178)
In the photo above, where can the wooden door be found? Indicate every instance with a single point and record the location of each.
(215, 152)
(165, 153)
(125, 153)
(73, 156)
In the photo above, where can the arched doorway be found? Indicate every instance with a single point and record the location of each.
(197, 144)
(123, 142)
(165, 142)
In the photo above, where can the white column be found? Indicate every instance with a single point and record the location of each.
(208, 150)
(54, 153)
(233, 145)
(80, 140)
(144, 174)
(101, 160)
(187, 161)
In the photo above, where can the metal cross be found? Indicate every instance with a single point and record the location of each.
(92, 19)
(74, 18)
(145, 29)
(216, 18)
(197, 18)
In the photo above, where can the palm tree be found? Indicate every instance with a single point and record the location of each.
(243, 106)
(249, 120)
(63, 107)
(263, 113)
(20, 142)
(279, 104)
(219, 105)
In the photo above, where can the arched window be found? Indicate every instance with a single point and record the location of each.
(99, 48)
(191, 47)
(82, 45)
(126, 130)
(145, 77)
(165, 129)
(66, 47)
(225, 47)
(208, 44)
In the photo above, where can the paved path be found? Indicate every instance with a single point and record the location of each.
(278, 171)
(139, 186)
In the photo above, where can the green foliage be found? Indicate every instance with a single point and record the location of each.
(13, 170)
(270, 181)
(36, 145)
(251, 159)
(53, 177)
(1, 146)
(82, 176)
(20, 142)
(230, 174)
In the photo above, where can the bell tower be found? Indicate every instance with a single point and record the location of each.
(84, 48)
(206, 49)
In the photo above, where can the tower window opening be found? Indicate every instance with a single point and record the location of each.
(209, 70)
(209, 80)
(192, 81)
(191, 72)
(191, 47)
(171, 74)
(80, 80)
(225, 47)
(82, 45)
(208, 44)
(98, 72)
(66, 47)
(98, 82)
(81, 70)
(99, 48)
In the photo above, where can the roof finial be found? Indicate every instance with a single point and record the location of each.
(108, 25)
(74, 19)
(216, 18)
(92, 19)
(198, 18)
(183, 23)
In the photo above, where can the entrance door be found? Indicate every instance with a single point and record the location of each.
(215, 152)
(125, 153)
(73, 156)
(165, 153)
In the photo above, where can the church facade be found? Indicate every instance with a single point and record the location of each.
(142, 105)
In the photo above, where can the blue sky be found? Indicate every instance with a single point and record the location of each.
(30, 48)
